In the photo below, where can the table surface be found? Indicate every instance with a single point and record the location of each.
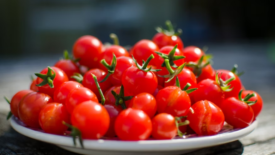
(259, 76)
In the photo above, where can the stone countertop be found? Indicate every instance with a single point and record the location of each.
(259, 76)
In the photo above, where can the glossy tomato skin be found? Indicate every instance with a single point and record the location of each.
(136, 81)
(206, 118)
(91, 118)
(185, 76)
(60, 78)
(143, 49)
(173, 100)
(162, 40)
(87, 48)
(113, 112)
(122, 64)
(133, 125)
(62, 92)
(51, 117)
(68, 66)
(88, 81)
(15, 100)
(107, 55)
(145, 102)
(208, 90)
(237, 113)
(207, 73)
(192, 54)
(235, 84)
(78, 96)
(164, 126)
(258, 106)
(30, 107)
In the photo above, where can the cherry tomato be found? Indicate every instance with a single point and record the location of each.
(87, 48)
(192, 53)
(208, 90)
(136, 81)
(237, 113)
(164, 126)
(258, 106)
(122, 64)
(206, 118)
(167, 50)
(62, 92)
(88, 81)
(143, 49)
(51, 117)
(113, 112)
(77, 96)
(91, 118)
(15, 100)
(162, 40)
(145, 102)
(107, 55)
(59, 78)
(68, 66)
(133, 125)
(173, 100)
(30, 107)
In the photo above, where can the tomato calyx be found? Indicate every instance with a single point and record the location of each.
(99, 90)
(224, 84)
(234, 70)
(246, 98)
(170, 30)
(120, 98)
(75, 133)
(9, 114)
(110, 68)
(185, 88)
(145, 64)
(198, 66)
(47, 78)
(172, 73)
(171, 57)
(179, 122)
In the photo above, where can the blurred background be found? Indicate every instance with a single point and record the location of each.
(235, 31)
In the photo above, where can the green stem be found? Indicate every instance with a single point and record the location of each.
(168, 66)
(170, 26)
(75, 133)
(114, 38)
(47, 78)
(177, 82)
(105, 64)
(144, 65)
(186, 86)
(99, 90)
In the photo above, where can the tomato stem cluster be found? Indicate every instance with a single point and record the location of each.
(111, 68)
(224, 84)
(234, 70)
(47, 78)
(170, 29)
(171, 57)
(197, 67)
(75, 133)
(246, 98)
(172, 73)
(120, 98)
(9, 102)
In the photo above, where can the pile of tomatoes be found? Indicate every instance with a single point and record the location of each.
(158, 89)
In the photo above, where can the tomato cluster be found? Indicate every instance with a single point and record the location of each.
(159, 89)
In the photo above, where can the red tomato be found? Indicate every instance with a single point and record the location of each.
(143, 49)
(166, 50)
(122, 64)
(192, 53)
(107, 55)
(235, 84)
(15, 100)
(237, 113)
(91, 118)
(62, 92)
(133, 125)
(208, 90)
(51, 117)
(78, 96)
(87, 48)
(68, 66)
(164, 126)
(113, 112)
(33, 86)
(59, 78)
(258, 106)
(162, 40)
(30, 107)
(173, 100)
(88, 81)
(137, 81)
(206, 118)
(145, 102)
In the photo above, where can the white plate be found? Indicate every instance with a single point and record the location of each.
(174, 146)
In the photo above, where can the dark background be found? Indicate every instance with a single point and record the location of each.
(50, 26)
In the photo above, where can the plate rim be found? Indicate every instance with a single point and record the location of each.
(143, 145)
